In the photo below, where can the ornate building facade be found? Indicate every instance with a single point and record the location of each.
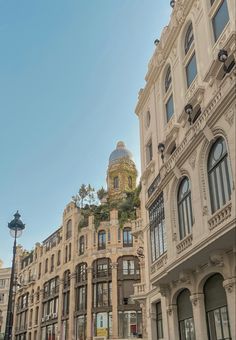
(78, 283)
(5, 274)
(187, 131)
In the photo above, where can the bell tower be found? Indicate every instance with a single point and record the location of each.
(121, 173)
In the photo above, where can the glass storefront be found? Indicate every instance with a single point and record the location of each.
(130, 324)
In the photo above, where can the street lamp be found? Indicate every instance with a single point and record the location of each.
(16, 227)
(161, 149)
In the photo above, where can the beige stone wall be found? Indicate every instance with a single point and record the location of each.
(5, 274)
(114, 250)
(210, 247)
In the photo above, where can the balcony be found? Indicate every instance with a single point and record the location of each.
(139, 290)
(184, 244)
(220, 216)
(137, 227)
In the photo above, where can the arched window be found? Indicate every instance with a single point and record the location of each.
(127, 237)
(216, 308)
(130, 182)
(189, 38)
(101, 239)
(168, 79)
(81, 272)
(59, 257)
(116, 182)
(66, 279)
(185, 208)
(185, 316)
(46, 266)
(191, 63)
(219, 177)
(81, 245)
(68, 229)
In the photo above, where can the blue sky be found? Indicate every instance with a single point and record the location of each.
(70, 72)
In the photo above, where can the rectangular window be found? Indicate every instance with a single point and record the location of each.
(191, 70)
(149, 152)
(169, 108)
(157, 227)
(220, 19)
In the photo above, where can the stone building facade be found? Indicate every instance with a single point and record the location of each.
(186, 113)
(5, 274)
(78, 283)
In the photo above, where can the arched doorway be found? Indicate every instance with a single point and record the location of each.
(185, 316)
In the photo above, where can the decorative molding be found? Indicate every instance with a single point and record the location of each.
(158, 264)
(229, 115)
(184, 244)
(220, 216)
(229, 285)
(192, 159)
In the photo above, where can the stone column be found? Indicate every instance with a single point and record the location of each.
(230, 289)
(144, 318)
(71, 330)
(114, 302)
(89, 303)
(199, 315)
(173, 322)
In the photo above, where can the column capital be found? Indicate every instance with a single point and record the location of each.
(89, 270)
(229, 284)
(171, 309)
(196, 298)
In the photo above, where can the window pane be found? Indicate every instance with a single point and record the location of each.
(220, 19)
(169, 108)
(191, 70)
(217, 324)
(225, 322)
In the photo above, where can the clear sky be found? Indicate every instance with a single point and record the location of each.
(70, 72)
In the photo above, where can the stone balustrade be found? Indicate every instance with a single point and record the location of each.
(184, 244)
(220, 216)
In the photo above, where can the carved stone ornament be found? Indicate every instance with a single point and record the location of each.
(192, 159)
(114, 265)
(229, 285)
(205, 210)
(216, 260)
(229, 116)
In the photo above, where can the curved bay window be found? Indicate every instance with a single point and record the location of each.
(216, 309)
(81, 245)
(219, 176)
(101, 239)
(185, 208)
(81, 300)
(185, 316)
(102, 297)
(157, 228)
(127, 237)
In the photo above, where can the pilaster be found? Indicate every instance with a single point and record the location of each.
(89, 303)
(173, 322)
(199, 315)
(71, 330)
(114, 301)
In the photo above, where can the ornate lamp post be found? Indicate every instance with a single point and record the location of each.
(16, 227)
